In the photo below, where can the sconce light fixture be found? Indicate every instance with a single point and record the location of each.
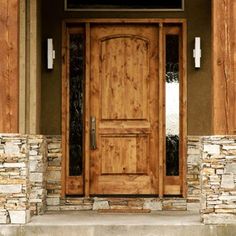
(51, 53)
(197, 52)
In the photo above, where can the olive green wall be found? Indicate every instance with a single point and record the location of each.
(198, 15)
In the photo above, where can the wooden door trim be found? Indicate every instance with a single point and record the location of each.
(181, 179)
(184, 108)
(86, 24)
(67, 180)
(64, 110)
(87, 111)
(161, 112)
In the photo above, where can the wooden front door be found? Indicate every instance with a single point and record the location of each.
(124, 109)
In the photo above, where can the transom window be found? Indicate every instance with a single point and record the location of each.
(97, 5)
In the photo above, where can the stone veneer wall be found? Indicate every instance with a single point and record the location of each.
(53, 184)
(218, 180)
(22, 177)
(193, 173)
(14, 181)
(30, 181)
(37, 149)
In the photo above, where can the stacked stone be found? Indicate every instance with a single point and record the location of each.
(193, 173)
(77, 204)
(218, 179)
(14, 182)
(37, 173)
(153, 204)
(98, 203)
(54, 159)
(174, 204)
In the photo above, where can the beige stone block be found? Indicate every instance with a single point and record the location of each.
(211, 149)
(227, 198)
(230, 168)
(33, 153)
(54, 151)
(54, 175)
(229, 147)
(193, 159)
(33, 165)
(153, 205)
(36, 177)
(231, 211)
(14, 165)
(54, 146)
(230, 157)
(220, 171)
(3, 217)
(193, 151)
(228, 181)
(19, 217)
(11, 148)
(7, 188)
(97, 205)
(208, 171)
(53, 201)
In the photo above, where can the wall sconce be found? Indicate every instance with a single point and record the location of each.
(197, 52)
(51, 53)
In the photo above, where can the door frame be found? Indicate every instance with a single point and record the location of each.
(65, 106)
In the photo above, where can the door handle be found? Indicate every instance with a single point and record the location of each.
(93, 141)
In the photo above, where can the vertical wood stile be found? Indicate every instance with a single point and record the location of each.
(64, 107)
(161, 111)
(67, 100)
(87, 111)
(9, 74)
(223, 51)
(183, 117)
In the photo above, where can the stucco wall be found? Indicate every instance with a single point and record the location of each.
(198, 15)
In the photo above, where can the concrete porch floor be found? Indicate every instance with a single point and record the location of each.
(107, 224)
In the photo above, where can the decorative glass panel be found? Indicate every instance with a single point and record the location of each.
(124, 4)
(172, 105)
(76, 88)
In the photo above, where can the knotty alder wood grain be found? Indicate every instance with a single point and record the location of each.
(124, 90)
(9, 84)
(124, 100)
(224, 66)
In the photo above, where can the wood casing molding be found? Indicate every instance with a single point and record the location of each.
(224, 66)
(9, 67)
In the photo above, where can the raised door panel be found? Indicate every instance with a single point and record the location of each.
(124, 155)
(124, 73)
(124, 100)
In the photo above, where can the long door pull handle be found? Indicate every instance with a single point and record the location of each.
(93, 142)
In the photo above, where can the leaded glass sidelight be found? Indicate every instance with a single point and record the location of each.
(76, 94)
(172, 105)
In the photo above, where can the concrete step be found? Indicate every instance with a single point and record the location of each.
(97, 224)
